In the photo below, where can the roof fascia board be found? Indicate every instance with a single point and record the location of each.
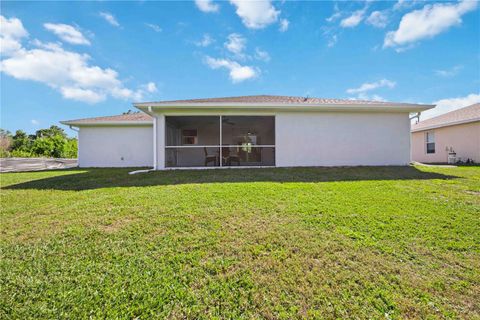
(149, 108)
(449, 124)
(106, 123)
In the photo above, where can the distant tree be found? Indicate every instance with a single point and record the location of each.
(4, 132)
(70, 148)
(43, 147)
(5, 142)
(50, 132)
(50, 142)
(21, 141)
(55, 146)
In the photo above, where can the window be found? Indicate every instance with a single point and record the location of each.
(219, 141)
(189, 136)
(430, 142)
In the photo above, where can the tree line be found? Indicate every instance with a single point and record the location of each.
(51, 142)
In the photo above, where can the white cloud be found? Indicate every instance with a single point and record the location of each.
(67, 33)
(330, 34)
(336, 14)
(364, 96)
(284, 23)
(428, 22)
(256, 14)
(110, 18)
(205, 41)
(12, 28)
(353, 20)
(207, 5)
(236, 44)
(332, 41)
(403, 4)
(84, 95)
(34, 122)
(237, 72)
(57, 66)
(378, 19)
(11, 33)
(154, 27)
(449, 72)
(9, 46)
(400, 4)
(450, 104)
(124, 93)
(151, 87)
(376, 97)
(368, 86)
(261, 55)
(68, 72)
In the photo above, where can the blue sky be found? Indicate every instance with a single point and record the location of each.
(68, 60)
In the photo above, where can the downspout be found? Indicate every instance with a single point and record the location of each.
(417, 115)
(154, 139)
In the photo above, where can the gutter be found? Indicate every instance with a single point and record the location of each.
(107, 123)
(150, 107)
(72, 128)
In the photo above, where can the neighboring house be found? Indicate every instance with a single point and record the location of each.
(457, 131)
(261, 131)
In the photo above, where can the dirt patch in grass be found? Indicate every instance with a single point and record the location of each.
(118, 224)
(473, 192)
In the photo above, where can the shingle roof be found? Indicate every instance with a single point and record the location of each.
(282, 101)
(126, 117)
(273, 99)
(463, 115)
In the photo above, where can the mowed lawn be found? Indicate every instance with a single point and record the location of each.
(382, 243)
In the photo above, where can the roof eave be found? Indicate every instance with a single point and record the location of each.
(106, 123)
(150, 107)
(449, 124)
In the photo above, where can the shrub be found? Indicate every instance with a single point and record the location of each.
(51, 142)
(22, 154)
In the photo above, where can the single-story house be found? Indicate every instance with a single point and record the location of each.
(454, 134)
(261, 131)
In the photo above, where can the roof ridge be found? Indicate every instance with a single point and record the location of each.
(264, 98)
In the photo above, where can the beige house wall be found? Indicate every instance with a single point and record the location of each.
(463, 138)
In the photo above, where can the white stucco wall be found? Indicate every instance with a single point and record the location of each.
(342, 139)
(115, 146)
(329, 138)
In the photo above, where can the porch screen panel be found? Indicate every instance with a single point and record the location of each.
(192, 141)
(192, 131)
(192, 157)
(255, 130)
(248, 141)
(248, 156)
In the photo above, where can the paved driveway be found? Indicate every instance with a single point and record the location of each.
(35, 164)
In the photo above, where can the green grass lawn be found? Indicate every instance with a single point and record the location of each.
(382, 243)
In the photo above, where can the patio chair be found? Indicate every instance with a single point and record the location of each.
(210, 158)
(228, 157)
